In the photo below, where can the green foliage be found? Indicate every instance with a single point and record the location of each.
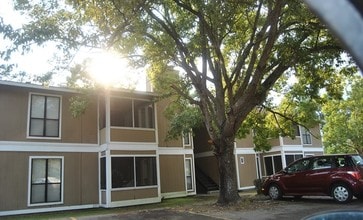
(343, 127)
(78, 105)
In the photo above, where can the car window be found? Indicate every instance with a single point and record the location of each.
(322, 163)
(298, 166)
(342, 161)
(357, 160)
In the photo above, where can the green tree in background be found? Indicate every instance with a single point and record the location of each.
(343, 129)
(228, 55)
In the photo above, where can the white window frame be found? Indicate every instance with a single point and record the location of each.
(29, 112)
(134, 171)
(189, 136)
(306, 133)
(30, 179)
(133, 113)
(191, 175)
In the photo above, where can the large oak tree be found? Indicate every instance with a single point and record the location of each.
(230, 53)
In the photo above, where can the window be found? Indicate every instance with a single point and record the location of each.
(297, 130)
(103, 173)
(145, 171)
(186, 139)
(291, 158)
(132, 113)
(299, 166)
(273, 164)
(322, 163)
(306, 137)
(44, 116)
(189, 174)
(46, 180)
(133, 171)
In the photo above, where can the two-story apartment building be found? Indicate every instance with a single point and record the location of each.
(252, 165)
(114, 154)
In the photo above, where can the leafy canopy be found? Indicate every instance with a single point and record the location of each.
(343, 127)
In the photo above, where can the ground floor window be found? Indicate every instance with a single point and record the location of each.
(46, 180)
(189, 174)
(291, 158)
(133, 171)
(273, 164)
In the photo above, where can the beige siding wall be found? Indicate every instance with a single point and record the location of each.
(122, 195)
(289, 141)
(163, 126)
(246, 142)
(80, 179)
(172, 177)
(132, 135)
(316, 138)
(247, 170)
(14, 117)
(274, 142)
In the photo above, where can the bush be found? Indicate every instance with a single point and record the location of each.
(258, 185)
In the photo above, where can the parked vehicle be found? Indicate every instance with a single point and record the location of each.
(338, 176)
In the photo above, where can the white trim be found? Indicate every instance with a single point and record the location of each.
(108, 117)
(134, 202)
(191, 174)
(51, 209)
(158, 174)
(133, 128)
(244, 151)
(295, 148)
(189, 138)
(132, 146)
(60, 117)
(29, 181)
(174, 151)
(313, 149)
(237, 166)
(174, 194)
(48, 147)
(247, 187)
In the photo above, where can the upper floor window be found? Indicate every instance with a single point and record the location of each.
(297, 130)
(306, 137)
(44, 116)
(187, 139)
(132, 113)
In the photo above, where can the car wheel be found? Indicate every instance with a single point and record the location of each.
(341, 193)
(274, 192)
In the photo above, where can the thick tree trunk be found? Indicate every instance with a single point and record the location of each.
(228, 190)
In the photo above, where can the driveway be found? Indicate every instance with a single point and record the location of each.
(261, 209)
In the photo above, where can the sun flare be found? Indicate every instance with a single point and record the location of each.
(111, 70)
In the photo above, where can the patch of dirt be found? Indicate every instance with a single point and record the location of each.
(247, 203)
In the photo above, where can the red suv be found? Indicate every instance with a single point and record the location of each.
(339, 176)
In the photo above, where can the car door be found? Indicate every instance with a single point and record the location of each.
(294, 178)
(319, 175)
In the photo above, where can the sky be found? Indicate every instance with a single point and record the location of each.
(107, 67)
